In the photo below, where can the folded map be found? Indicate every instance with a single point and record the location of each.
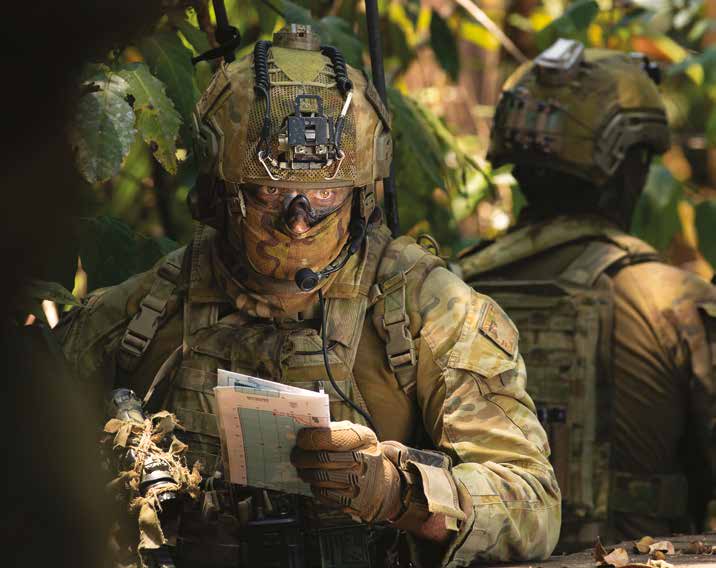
(258, 421)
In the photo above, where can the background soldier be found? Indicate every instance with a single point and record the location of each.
(615, 341)
(291, 276)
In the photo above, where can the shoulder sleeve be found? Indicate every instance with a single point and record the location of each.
(90, 334)
(471, 390)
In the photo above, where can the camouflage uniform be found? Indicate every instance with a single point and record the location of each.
(620, 346)
(433, 362)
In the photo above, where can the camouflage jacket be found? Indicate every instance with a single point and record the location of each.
(466, 392)
(660, 365)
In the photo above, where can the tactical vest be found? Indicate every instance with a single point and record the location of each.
(288, 352)
(566, 327)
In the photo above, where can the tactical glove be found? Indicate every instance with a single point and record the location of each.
(346, 465)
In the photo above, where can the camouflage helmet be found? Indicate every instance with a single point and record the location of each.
(578, 111)
(292, 115)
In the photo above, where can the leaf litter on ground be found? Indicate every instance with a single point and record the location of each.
(698, 547)
(664, 547)
(619, 557)
(642, 545)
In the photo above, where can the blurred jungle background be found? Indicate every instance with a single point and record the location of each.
(445, 62)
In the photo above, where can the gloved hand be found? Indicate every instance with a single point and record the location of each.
(346, 465)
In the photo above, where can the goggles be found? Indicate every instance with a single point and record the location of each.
(323, 202)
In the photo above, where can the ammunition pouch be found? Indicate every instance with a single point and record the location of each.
(282, 531)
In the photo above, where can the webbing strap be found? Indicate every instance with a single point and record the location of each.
(588, 266)
(660, 495)
(144, 324)
(400, 347)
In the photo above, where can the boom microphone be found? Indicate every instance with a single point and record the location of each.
(307, 279)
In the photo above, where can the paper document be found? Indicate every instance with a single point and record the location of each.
(258, 421)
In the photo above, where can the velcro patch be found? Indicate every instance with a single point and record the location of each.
(495, 325)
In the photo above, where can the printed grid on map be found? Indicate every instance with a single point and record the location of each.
(268, 458)
(258, 422)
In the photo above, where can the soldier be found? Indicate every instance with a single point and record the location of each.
(614, 339)
(291, 276)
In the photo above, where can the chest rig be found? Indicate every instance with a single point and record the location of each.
(566, 327)
(288, 351)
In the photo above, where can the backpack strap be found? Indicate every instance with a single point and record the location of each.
(399, 345)
(600, 257)
(152, 309)
(398, 292)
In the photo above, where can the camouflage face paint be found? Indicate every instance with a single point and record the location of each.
(285, 230)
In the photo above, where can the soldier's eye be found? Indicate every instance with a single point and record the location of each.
(271, 190)
(325, 193)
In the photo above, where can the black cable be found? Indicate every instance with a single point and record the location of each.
(339, 68)
(262, 84)
(327, 365)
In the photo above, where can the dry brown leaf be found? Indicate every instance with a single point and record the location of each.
(642, 545)
(659, 563)
(599, 551)
(694, 547)
(698, 547)
(665, 546)
(618, 557)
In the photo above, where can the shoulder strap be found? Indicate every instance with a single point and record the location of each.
(395, 322)
(600, 257)
(143, 326)
(399, 345)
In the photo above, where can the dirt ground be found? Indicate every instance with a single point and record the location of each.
(586, 558)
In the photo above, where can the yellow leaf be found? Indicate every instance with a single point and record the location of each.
(397, 15)
(478, 35)
(696, 73)
(688, 228)
(595, 35)
(423, 23)
(539, 19)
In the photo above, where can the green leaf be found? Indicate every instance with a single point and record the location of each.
(197, 38)
(333, 30)
(478, 35)
(444, 45)
(170, 61)
(571, 25)
(151, 249)
(518, 201)
(656, 219)
(339, 33)
(711, 128)
(295, 14)
(157, 120)
(111, 251)
(705, 222)
(102, 130)
(106, 250)
(43, 290)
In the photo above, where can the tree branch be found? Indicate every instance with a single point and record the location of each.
(476, 12)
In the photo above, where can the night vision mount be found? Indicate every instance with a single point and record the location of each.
(307, 139)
